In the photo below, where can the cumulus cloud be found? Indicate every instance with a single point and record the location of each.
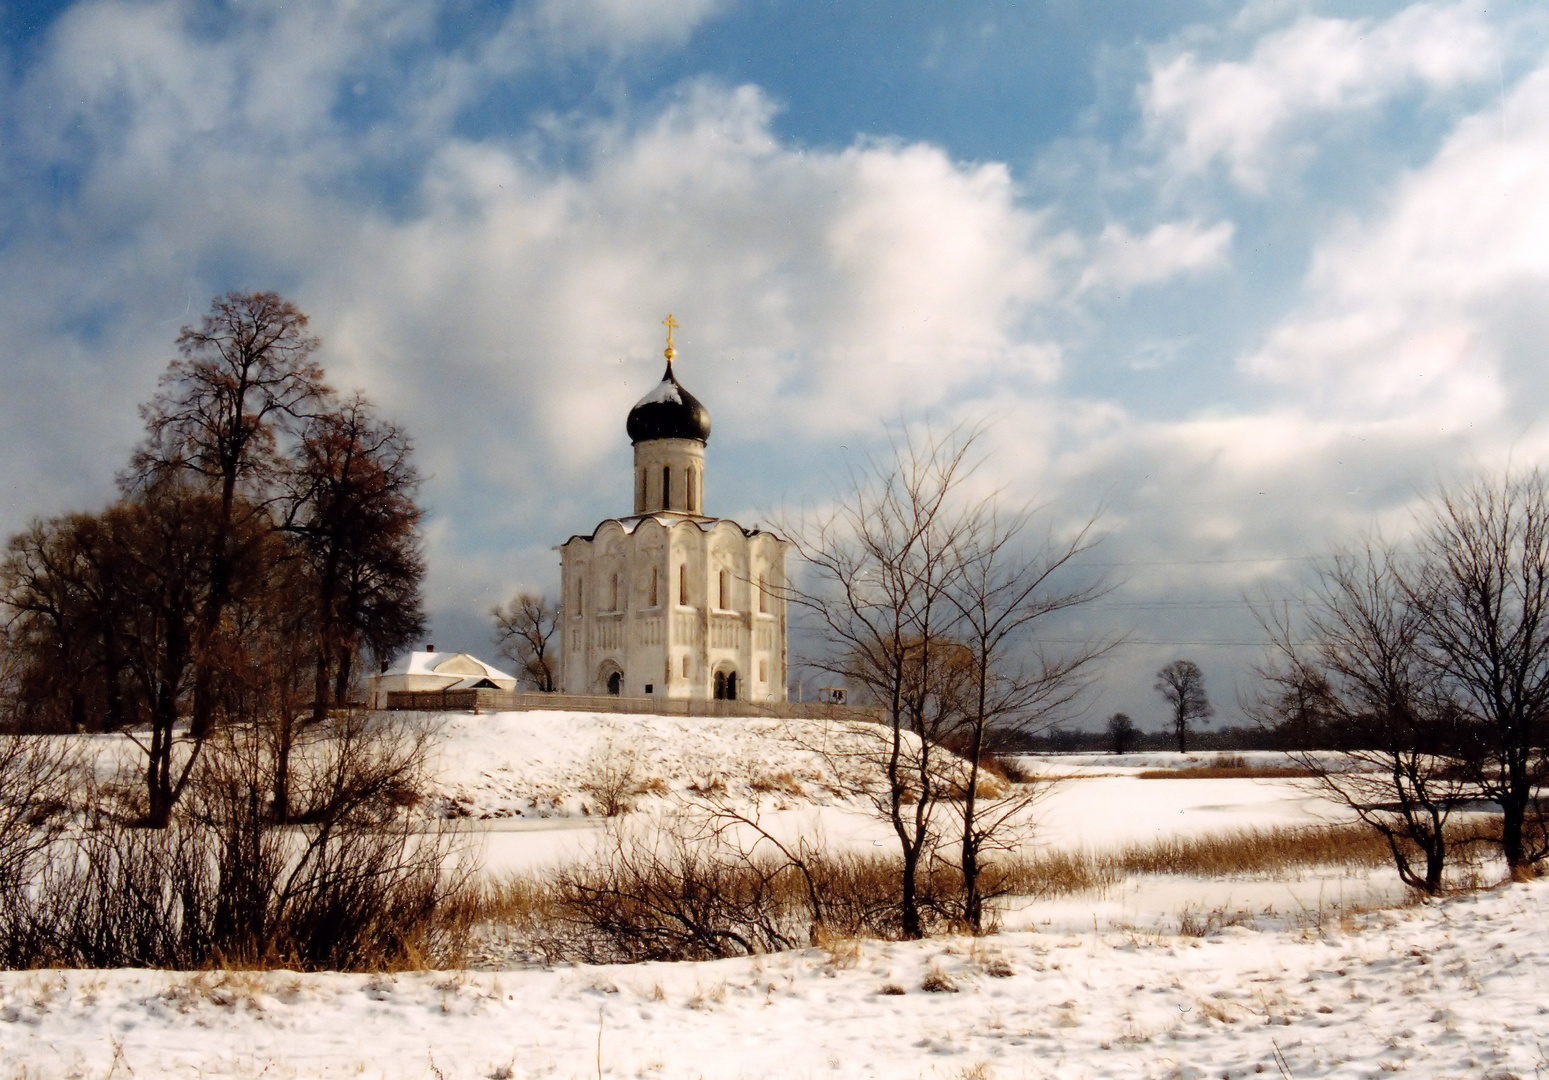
(1245, 112)
(506, 310)
(1121, 260)
(1422, 313)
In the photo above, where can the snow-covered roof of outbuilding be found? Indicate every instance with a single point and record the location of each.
(448, 664)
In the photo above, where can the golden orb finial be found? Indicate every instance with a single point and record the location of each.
(671, 324)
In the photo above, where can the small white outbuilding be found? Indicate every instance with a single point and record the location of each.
(438, 671)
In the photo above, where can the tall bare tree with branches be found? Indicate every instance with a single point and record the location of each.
(883, 562)
(1002, 589)
(245, 379)
(351, 515)
(928, 599)
(1356, 664)
(1182, 685)
(524, 633)
(1482, 599)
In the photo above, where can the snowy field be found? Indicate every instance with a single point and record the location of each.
(1454, 989)
(1334, 972)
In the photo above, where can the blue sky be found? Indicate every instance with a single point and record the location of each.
(1249, 278)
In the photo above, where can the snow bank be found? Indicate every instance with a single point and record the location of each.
(1458, 988)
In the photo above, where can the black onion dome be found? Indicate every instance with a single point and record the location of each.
(668, 412)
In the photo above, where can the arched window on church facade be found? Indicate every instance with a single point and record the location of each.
(763, 603)
(683, 584)
(690, 483)
(725, 601)
(580, 596)
(666, 487)
(615, 594)
(653, 587)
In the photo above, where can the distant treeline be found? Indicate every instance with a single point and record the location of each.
(1072, 741)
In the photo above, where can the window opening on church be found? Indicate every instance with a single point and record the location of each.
(666, 487)
(690, 483)
(653, 586)
(615, 684)
(763, 605)
(720, 686)
(685, 667)
(724, 597)
(580, 595)
(763, 671)
(683, 584)
(731, 686)
(615, 606)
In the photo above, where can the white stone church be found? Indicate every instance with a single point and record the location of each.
(671, 602)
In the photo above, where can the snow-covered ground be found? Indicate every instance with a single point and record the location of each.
(1457, 989)
(1095, 986)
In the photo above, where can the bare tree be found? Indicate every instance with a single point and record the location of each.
(61, 588)
(245, 379)
(1001, 592)
(1121, 732)
(1356, 663)
(352, 516)
(524, 633)
(1182, 684)
(883, 562)
(1482, 599)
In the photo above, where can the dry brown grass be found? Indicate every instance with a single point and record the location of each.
(1248, 852)
(559, 917)
(780, 783)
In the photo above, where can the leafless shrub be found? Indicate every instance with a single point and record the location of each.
(682, 889)
(612, 779)
(355, 887)
(668, 892)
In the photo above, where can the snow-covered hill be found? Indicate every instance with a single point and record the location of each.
(555, 764)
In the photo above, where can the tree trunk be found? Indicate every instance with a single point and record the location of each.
(321, 681)
(280, 811)
(344, 670)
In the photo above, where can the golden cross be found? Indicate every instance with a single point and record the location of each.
(671, 324)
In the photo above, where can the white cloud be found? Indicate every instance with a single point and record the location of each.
(623, 24)
(1121, 260)
(507, 312)
(1245, 112)
(1422, 313)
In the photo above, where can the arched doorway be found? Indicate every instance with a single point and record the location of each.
(616, 683)
(726, 686)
